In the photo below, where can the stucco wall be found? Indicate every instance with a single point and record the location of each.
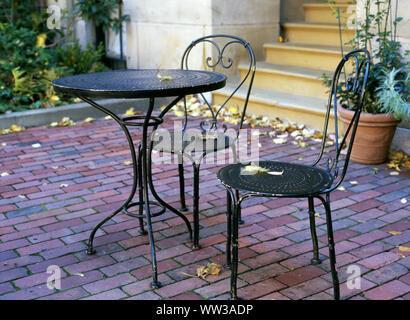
(159, 31)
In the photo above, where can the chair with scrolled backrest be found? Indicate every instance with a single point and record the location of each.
(213, 131)
(315, 181)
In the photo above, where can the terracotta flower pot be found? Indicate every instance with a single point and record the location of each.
(373, 137)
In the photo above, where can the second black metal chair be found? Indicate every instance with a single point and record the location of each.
(282, 179)
(216, 52)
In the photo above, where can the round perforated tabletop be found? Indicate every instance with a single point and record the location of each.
(140, 83)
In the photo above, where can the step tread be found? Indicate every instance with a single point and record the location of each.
(288, 69)
(325, 5)
(305, 46)
(280, 98)
(314, 25)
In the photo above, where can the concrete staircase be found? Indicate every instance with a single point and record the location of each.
(288, 84)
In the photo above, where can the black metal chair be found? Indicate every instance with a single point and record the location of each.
(301, 181)
(213, 132)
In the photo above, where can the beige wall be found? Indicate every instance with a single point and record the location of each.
(159, 31)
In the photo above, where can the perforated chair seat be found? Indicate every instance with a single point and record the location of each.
(192, 142)
(295, 180)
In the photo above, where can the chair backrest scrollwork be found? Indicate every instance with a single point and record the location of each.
(220, 61)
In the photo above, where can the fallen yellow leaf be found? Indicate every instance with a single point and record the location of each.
(89, 119)
(164, 78)
(130, 112)
(404, 249)
(203, 271)
(127, 163)
(395, 233)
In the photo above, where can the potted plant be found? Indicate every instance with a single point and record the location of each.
(387, 98)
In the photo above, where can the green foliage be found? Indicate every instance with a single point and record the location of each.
(31, 57)
(393, 94)
(79, 61)
(389, 68)
(100, 11)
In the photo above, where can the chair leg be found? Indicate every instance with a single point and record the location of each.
(331, 245)
(235, 160)
(140, 193)
(196, 206)
(240, 220)
(181, 183)
(228, 230)
(234, 264)
(315, 259)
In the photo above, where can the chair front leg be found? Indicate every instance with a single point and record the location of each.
(235, 249)
(195, 245)
(235, 160)
(331, 245)
(228, 229)
(315, 259)
(181, 182)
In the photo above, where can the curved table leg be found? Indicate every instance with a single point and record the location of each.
(90, 249)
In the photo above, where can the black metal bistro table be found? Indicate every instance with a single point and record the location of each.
(144, 83)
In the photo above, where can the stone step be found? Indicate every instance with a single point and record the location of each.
(291, 107)
(316, 33)
(304, 55)
(286, 78)
(324, 13)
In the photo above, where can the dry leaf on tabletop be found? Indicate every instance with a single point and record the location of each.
(253, 168)
(4, 174)
(404, 249)
(403, 201)
(63, 185)
(401, 255)
(317, 215)
(164, 78)
(78, 274)
(276, 173)
(108, 118)
(353, 182)
(394, 173)
(341, 188)
(36, 145)
(127, 163)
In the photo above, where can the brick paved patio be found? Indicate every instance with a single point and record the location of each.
(57, 190)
